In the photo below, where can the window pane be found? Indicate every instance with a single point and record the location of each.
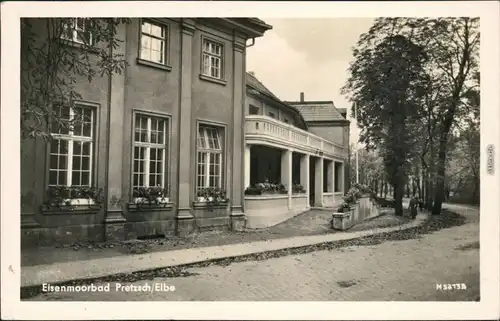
(136, 166)
(62, 178)
(136, 180)
(152, 180)
(76, 162)
(145, 54)
(75, 178)
(77, 130)
(63, 162)
(157, 31)
(86, 148)
(206, 64)
(156, 56)
(86, 163)
(85, 179)
(146, 27)
(77, 148)
(87, 130)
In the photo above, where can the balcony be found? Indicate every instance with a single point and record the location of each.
(267, 130)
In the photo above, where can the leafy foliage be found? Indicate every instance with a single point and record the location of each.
(54, 64)
(61, 196)
(437, 95)
(213, 195)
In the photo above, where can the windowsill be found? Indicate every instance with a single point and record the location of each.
(144, 207)
(79, 45)
(153, 64)
(202, 205)
(70, 209)
(214, 80)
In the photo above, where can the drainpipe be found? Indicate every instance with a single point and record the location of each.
(253, 43)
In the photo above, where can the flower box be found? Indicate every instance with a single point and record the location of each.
(158, 200)
(78, 201)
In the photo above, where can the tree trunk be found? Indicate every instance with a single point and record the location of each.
(398, 199)
(440, 179)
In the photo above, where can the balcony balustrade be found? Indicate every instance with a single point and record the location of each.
(269, 129)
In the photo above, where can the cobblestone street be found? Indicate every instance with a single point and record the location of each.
(395, 270)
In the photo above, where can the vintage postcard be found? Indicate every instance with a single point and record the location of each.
(250, 160)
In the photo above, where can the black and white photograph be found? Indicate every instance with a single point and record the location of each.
(226, 152)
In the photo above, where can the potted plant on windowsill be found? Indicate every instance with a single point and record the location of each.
(212, 196)
(73, 197)
(155, 195)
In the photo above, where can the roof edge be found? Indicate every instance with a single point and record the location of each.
(299, 114)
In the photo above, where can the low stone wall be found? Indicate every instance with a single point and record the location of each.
(328, 200)
(299, 202)
(364, 209)
(267, 210)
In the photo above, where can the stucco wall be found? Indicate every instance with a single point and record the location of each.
(330, 132)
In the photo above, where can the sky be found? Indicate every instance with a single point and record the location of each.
(307, 55)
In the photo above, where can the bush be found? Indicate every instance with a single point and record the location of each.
(297, 188)
(268, 188)
(252, 190)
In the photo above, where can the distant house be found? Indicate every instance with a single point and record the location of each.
(293, 144)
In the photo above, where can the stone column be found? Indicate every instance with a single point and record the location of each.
(318, 188)
(334, 168)
(238, 177)
(114, 219)
(247, 165)
(286, 173)
(185, 219)
(342, 178)
(304, 175)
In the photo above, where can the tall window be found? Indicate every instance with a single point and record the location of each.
(71, 149)
(150, 137)
(153, 42)
(212, 59)
(209, 157)
(77, 30)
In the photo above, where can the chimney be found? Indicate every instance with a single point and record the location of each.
(252, 73)
(301, 97)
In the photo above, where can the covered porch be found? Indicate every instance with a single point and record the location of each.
(281, 182)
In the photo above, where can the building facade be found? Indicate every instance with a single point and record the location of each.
(172, 120)
(174, 143)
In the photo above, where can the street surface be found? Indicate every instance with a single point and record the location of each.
(392, 271)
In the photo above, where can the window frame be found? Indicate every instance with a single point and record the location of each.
(221, 132)
(94, 140)
(221, 58)
(166, 43)
(75, 30)
(166, 149)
